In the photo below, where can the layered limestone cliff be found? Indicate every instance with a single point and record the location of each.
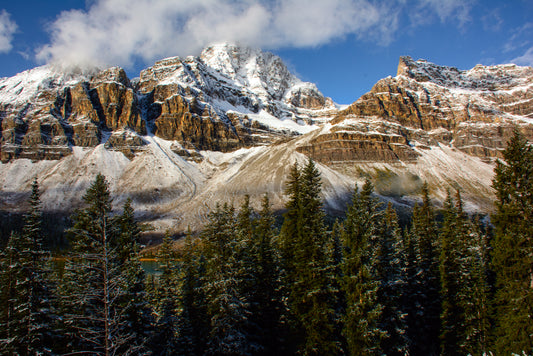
(425, 105)
(191, 132)
(225, 99)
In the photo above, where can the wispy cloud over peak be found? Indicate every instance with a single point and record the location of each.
(120, 32)
(8, 28)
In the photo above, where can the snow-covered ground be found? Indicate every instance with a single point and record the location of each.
(174, 193)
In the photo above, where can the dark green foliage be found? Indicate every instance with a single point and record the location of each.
(264, 290)
(359, 282)
(477, 291)
(193, 322)
(424, 319)
(227, 301)
(513, 249)
(309, 270)
(165, 341)
(133, 302)
(364, 288)
(94, 290)
(289, 234)
(8, 293)
(27, 325)
(452, 250)
(391, 273)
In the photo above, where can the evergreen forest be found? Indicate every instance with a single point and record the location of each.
(444, 283)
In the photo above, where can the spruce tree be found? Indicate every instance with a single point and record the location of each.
(93, 284)
(227, 303)
(391, 274)
(289, 234)
(9, 263)
(193, 323)
(359, 281)
(311, 294)
(165, 340)
(29, 324)
(264, 292)
(133, 303)
(477, 291)
(451, 252)
(424, 318)
(513, 248)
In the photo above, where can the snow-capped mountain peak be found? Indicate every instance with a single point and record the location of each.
(26, 85)
(497, 77)
(195, 130)
(261, 72)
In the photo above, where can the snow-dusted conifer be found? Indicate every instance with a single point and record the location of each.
(477, 291)
(513, 248)
(93, 284)
(166, 301)
(227, 302)
(424, 324)
(308, 266)
(359, 283)
(264, 292)
(134, 301)
(452, 250)
(29, 316)
(391, 273)
(193, 321)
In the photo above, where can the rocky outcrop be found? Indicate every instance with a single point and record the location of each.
(64, 111)
(126, 141)
(349, 147)
(190, 132)
(217, 101)
(474, 111)
(191, 124)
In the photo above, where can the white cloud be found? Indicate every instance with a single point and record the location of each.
(446, 10)
(7, 28)
(526, 59)
(120, 32)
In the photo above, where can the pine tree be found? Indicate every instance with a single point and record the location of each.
(134, 300)
(166, 302)
(227, 302)
(9, 263)
(309, 268)
(265, 293)
(337, 255)
(424, 321)
(193, 325)
(359, 282)
(391, 273)
(451, 257)
(28, 290)
(477, 291)
(410, 291)
(93, 284)
(289, 234)
(513, 248)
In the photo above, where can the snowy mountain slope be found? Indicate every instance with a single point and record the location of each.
(196, 131)
(428, 105)
(227, 98)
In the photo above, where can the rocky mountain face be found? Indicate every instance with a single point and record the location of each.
(427, 105)
(190, 132)
(225, 99)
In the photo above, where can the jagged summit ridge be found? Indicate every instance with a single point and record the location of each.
(192, 131)
(262, 72)
(227, 98)
(427, 106)
(248, 79)
(490, 78)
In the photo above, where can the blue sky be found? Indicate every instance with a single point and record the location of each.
(344, 46)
